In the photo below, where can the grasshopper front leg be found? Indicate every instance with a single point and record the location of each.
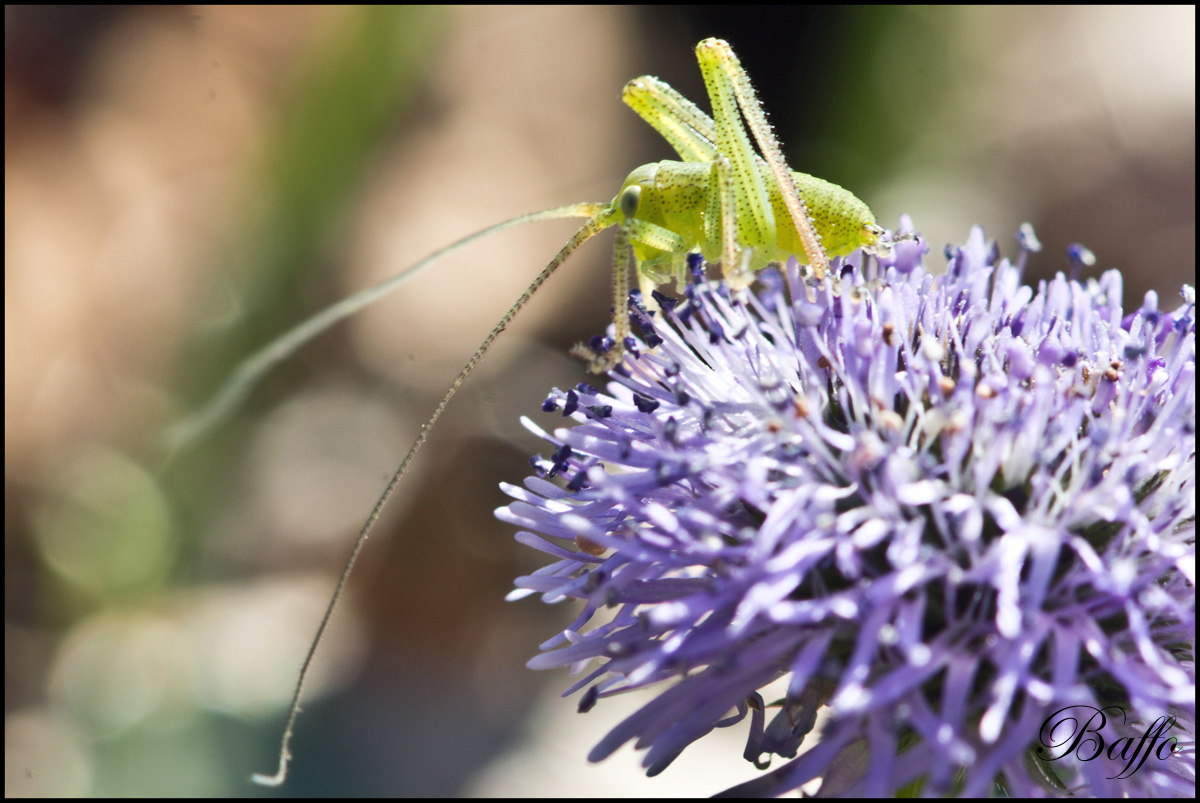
(631, 230)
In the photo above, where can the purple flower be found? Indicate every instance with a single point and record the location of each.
(943, 507)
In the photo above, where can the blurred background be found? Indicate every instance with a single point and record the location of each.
(183, 184)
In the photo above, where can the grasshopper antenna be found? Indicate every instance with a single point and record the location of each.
(252, 369)
(598, 222)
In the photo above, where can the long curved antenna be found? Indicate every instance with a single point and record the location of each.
(252, 369)
(596, 224)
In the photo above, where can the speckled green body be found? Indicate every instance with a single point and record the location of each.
(679, 197)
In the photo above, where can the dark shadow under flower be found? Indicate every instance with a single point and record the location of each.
(943, 506)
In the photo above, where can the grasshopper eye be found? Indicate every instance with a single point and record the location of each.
(631, 196)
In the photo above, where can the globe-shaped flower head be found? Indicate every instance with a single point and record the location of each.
(943, 507)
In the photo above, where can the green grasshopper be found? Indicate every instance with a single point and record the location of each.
(726, 201)
(723, 199)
